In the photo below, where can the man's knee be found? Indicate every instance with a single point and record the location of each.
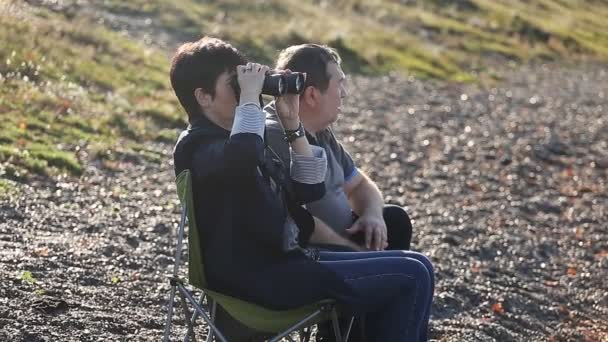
(395, 213)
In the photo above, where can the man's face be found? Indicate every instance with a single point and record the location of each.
(224, 102)
(331, 100)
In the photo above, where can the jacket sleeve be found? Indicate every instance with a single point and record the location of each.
(308, 175)
(242, 152)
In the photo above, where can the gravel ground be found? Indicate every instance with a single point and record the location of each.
(506, 186)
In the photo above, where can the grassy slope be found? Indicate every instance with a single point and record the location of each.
(433, 38)
(71, 90)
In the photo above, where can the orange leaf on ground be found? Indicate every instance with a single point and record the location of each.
(578, 233)
(43, 252)
(498, 308)
(22, 125)
(571, 271)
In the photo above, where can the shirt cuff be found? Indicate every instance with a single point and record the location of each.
(309, 170)
(248, 118)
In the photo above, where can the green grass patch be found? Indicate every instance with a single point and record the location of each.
(7, 187)
(67, 85)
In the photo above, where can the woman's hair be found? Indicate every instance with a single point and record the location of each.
(198, 65)
(311, 59)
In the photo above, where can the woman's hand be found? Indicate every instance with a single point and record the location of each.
(251, 80)
(288, 109)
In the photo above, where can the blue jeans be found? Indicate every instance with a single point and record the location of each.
(399, 286)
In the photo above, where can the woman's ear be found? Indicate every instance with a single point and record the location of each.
(203, 99)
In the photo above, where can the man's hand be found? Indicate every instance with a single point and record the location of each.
(288, 109)
(374, 229)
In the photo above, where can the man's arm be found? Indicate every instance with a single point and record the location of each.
(308, 164)
(363, 195)
(366, 201)
(323, 234)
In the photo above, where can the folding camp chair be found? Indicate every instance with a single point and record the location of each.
(275, 324)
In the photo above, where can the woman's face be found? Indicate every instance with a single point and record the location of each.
(224, 102)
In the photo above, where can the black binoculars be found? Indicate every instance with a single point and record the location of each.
(281, 84)
(277, 84)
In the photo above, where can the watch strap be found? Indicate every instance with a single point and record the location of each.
(291, 135)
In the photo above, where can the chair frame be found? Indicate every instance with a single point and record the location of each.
(178, 286)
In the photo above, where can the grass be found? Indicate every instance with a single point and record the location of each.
(28, 278)
(433, 38)
(66, 86)
(72, 90)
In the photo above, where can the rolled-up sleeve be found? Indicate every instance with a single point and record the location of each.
(248, 118)
(309, 170)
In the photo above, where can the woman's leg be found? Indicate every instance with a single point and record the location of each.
(328, 256)
(397, 291)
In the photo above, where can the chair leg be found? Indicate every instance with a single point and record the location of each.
(194, 317)
(296, 326)
(190, 333)
(305, 334)
(336, 324)
(173, 280)
(202, 313)
(169, 315)
(348, 329)
(213, 309)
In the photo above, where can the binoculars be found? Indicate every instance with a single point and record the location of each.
(276, 84)
(281, 84)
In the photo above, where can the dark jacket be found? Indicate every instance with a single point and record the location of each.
(241, 218)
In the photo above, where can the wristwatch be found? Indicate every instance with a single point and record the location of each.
(291, 135)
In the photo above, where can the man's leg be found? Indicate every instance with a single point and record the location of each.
(399, 231)
(385, 279)
(357, 332)
(398, 227)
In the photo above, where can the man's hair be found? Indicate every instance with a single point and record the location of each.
(311, 59)
(198, 65)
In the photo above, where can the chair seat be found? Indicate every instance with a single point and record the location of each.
(264, 319)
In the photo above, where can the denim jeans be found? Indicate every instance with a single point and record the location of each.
(399, 286)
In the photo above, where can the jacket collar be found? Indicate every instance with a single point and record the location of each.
(203, 126)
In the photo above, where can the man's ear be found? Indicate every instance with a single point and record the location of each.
(204, 99)
(311, 96)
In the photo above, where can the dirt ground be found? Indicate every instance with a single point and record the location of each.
(507, 187)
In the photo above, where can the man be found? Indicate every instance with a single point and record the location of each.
(353, 205)
(254, 230)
